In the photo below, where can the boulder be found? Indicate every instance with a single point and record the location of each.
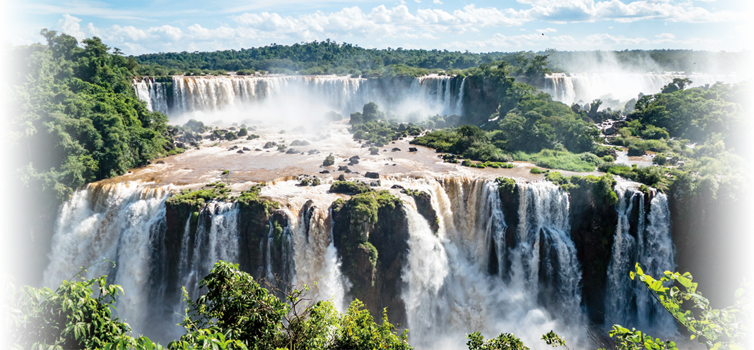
(342, 177)
(159, 162)
(324, 172)
(396, 149)
(342, 167)
(240, 151)
(413, 149)
(372, 175)
(246, 149)
(313, 151)
(257, 149)
(292, 151)
(397, 187)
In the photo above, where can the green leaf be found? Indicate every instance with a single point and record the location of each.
(738, 294)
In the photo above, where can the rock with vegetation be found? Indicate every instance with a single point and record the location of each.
(371, 235)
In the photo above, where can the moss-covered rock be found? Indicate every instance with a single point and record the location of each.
(371, 234)
(349, 187)
(424, 207)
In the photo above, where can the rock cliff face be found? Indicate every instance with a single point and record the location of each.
(371, 235)
(593, 225)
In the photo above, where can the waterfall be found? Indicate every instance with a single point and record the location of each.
(581, 88)
(448, 292)
(154, 94)
(316, 260)
(628, 302)
(656, 256)
(459, 104)
(200, 95)
(113, 222)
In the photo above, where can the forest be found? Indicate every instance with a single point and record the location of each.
(330, 57)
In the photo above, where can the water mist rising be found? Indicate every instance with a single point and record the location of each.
(448, 292)
(203, 97)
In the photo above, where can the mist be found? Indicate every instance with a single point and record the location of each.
(617, 77)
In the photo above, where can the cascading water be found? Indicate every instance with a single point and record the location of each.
(153, 93)
(316, 259)
(448, 291)
(628, 302)
(581, 88)
(119, 223)
(430, 95)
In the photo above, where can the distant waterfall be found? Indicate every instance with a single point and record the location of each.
(628, 302)
(154, 94)
(447, 284)
(581, 88)
(430, 95)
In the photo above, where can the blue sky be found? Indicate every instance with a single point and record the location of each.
(138, 27)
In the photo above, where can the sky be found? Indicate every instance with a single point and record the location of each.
(138, 27)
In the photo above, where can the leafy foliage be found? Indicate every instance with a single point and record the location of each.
(504, 341)
(78, 119)
(715, 328)
(359, 331)
(77, 315)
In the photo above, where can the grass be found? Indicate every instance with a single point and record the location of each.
(563, 160)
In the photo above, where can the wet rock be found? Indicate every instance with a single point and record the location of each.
(413, 149)
(246, 149)
(342, 177)
(397, 187)
(354, 158)
(270, 144)
(372, 175)
(160, 162)
(347, 171)
(300, 143)
(396, 149)
(240, 151)
(313, 151)
(375, 184)
(180, 145)
(324, 172)
(292, 151)
(257, 149)
(342, 167)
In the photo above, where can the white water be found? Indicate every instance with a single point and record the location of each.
(153, 93)
(449, 289)
(448, 292)
(581, 88)
(628, 302)
(270, 96)
(316, 260)
(116, 223)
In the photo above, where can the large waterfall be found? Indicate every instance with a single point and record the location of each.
(480, 269)
(449, 290)
(581, 88)
(429, 95)
(644, 238)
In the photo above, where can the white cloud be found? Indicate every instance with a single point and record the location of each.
(437, 2)
(665, 36)
(70, 25)
(590, 11)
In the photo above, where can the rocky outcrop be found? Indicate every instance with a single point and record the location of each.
(371, 234)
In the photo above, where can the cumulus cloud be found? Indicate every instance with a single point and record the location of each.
(70, 25)
(437, 2)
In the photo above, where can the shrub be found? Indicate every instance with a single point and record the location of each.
(535, 171)
(329, 160)
(660, 159)
(349, 187)
(243, 132)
